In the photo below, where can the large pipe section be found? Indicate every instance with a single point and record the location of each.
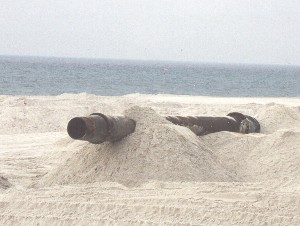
(234, 122)
(98, 127)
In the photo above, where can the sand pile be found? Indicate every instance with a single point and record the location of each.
(273, 159)
(157, 150)
(275, 117)
(4, 183)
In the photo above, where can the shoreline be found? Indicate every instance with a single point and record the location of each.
(165, 95)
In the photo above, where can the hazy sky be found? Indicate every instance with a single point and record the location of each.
(226, 31)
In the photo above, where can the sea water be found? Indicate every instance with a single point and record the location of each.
(54, 76)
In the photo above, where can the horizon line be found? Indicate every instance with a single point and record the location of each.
(149, 60)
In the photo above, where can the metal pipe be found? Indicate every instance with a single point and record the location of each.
(234, 122)
(98, 127)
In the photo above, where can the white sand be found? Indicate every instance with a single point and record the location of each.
(162, 174)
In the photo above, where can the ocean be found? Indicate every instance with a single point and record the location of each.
(54, 76)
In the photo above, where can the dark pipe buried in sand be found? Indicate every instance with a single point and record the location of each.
(234, 122)
(98, 127)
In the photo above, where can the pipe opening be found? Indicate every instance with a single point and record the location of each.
(76, 128)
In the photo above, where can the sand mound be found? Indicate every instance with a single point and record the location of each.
(157, 150)
(4, 183)
(273, 117)
(276, 159)
(273, 159)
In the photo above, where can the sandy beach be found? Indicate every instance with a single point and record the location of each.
(161, 174)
